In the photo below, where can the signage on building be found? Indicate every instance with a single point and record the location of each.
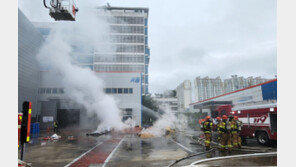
(47, 119)
(135, 80)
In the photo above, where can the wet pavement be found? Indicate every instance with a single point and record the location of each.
(123, 149)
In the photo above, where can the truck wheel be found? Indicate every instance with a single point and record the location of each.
(262, 138)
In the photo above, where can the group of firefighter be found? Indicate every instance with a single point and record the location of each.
(228, 129)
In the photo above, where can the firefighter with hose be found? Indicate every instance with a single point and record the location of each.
(225, 134)
(207, 129)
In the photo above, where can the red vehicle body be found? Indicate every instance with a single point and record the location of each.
(259, 121)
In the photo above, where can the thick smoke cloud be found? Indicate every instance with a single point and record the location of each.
(81, 84)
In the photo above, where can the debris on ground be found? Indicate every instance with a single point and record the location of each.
(71, 138)
(145, 135)
(97, 134)
(55, 137)
(23, 164)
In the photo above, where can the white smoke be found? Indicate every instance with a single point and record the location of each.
(81, 84)
(169, 120)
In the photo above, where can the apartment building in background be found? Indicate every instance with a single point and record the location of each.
(184, 91)
(205, 88)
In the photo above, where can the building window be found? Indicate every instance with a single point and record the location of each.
(119, 90)
(130, 90)
(108, 90)
(61, 90)
(114, 90)
(125, 90)
(128, 111)
(41, 90)
(48, 90)
(54, 90)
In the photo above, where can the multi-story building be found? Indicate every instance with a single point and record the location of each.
(235, 83)
(184, 96)
(207, 87)
(167, 100)
(29, 43)
(127, 43)
(123, 66)
(129, 40)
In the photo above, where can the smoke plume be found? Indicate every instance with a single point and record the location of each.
(168, 120)
(89, 33)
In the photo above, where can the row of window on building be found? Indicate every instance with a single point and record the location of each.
(51, 91)
(118, 67)
(127, 38)
(125, 20)
(127, 29)
(119, 58)
(118, 90)
(129, 48)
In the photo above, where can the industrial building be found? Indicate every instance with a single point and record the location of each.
(124, 69)
(56, 105)
(263, 93)
(184, 96)
(29, 43)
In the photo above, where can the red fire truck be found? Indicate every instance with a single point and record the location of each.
(259, 121)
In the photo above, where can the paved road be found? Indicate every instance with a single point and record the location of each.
(120, 150)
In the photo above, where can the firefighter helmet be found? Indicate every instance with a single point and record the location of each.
(224, 117)
(207, 118)
(235, 118)
(218, 118)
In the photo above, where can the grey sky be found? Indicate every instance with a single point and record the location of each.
(190, 38)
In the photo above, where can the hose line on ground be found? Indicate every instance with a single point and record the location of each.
(192, 155)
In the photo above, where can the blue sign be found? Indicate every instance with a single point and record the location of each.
(135, 80)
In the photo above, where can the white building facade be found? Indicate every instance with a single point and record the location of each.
(207, 87)
(184, 91)
(129, 42)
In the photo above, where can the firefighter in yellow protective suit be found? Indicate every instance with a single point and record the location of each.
(239, 128)
(225, 134)
(218, 120)
(234, 132)
(207, 129)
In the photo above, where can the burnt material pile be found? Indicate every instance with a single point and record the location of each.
(97, 134)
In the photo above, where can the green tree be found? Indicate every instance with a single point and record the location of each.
(148, 102)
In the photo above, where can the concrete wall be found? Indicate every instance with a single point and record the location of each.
(29, 43)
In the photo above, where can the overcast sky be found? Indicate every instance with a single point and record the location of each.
(190, 38)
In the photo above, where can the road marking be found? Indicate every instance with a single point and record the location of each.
(182, 146)
(111, 154)
(76, 159)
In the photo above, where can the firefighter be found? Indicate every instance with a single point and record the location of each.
(218, 120)
(225, 134)
(239, 128)
(234, 132)
(207, 129)
(55, 127)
